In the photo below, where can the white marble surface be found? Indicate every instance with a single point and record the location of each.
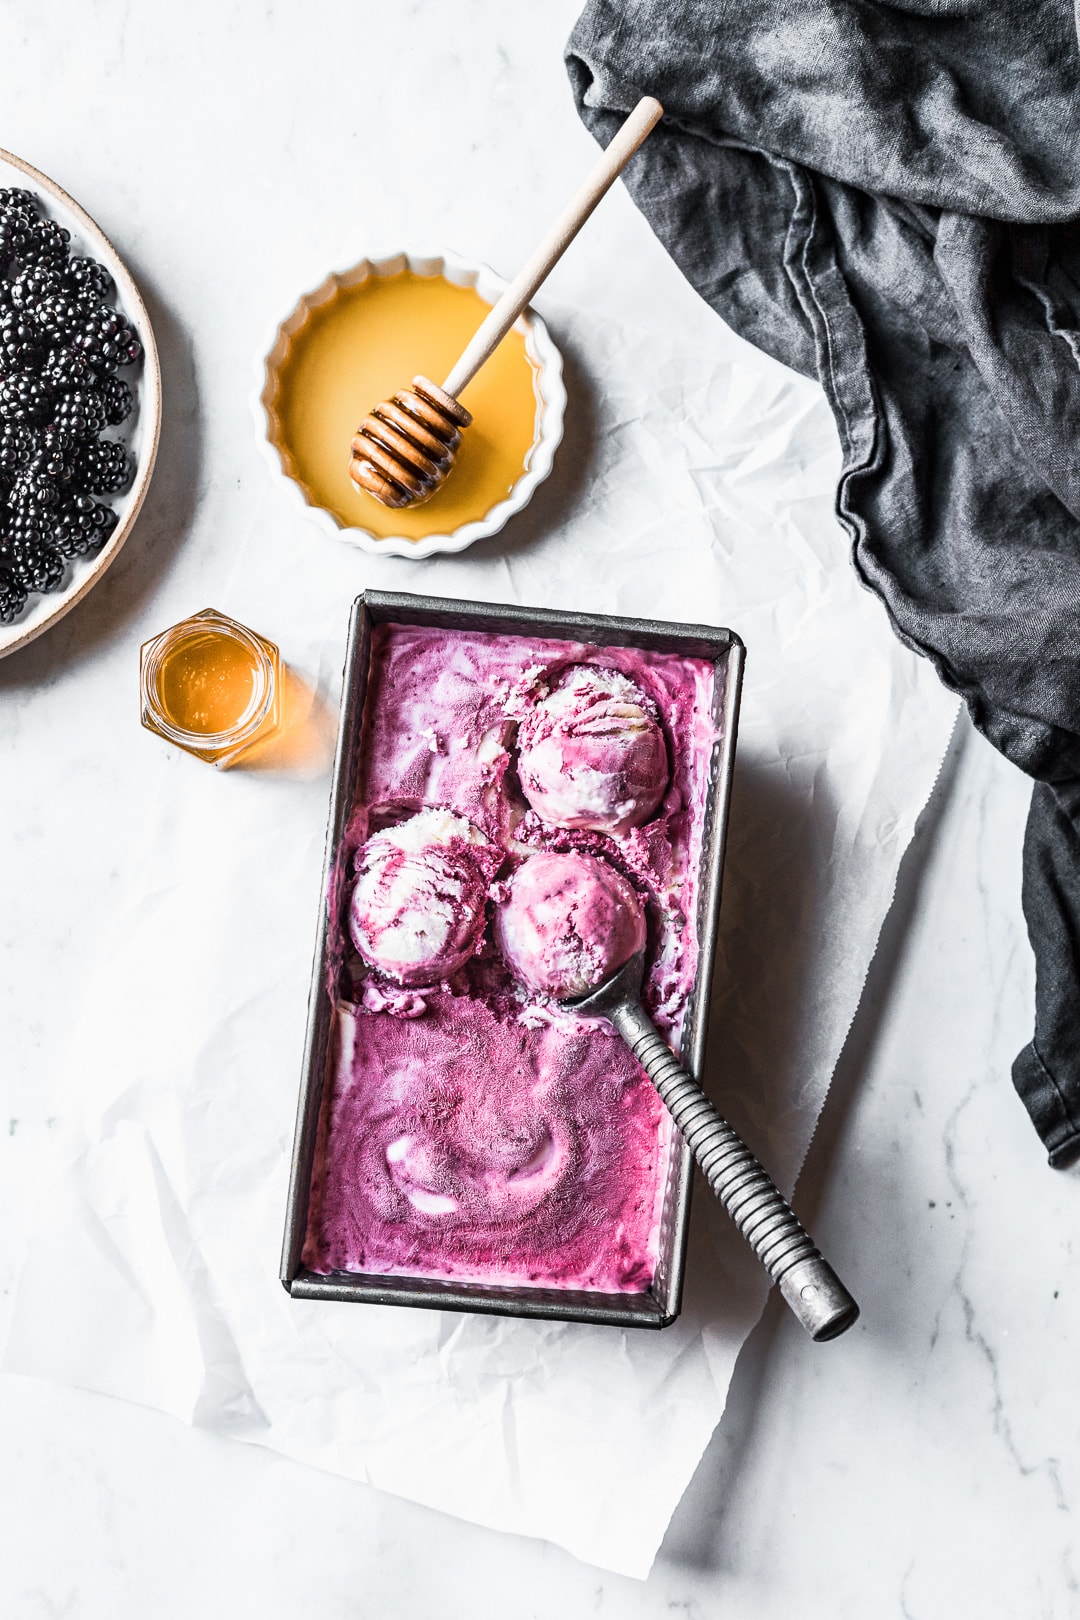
(923, 1466)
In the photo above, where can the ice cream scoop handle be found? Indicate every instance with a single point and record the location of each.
(759, 1210)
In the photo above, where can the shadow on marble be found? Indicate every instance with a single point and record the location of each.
(303, 743)
(863, 1037)
(159, 530)
(775, 895)
(559, 494)
(697, 1538)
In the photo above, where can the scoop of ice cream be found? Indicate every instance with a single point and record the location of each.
(591, 754)
(568, 923)
(417, 908)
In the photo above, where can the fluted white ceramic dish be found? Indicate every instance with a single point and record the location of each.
(140, 431)
(548, 381)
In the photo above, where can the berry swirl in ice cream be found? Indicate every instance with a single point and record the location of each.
(417, 909)
(591, 753)
(568, 923)
(488, 1148)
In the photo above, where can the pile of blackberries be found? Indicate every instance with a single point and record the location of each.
(62, 344)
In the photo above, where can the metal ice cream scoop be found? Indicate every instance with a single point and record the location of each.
(761, 1213)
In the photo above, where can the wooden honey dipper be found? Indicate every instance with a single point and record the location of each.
(405, 448)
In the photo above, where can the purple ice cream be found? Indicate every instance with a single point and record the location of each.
(568, 923)
(591, 753)
(417, 908)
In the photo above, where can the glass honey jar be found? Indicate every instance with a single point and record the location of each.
(211, 686)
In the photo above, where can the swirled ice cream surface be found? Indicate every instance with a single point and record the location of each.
(472, 1130)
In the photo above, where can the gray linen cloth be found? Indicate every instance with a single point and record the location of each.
(887, 197)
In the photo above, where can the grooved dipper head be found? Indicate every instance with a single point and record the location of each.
(405, 448)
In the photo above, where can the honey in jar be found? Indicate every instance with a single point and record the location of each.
(211, 686)
(362, 345)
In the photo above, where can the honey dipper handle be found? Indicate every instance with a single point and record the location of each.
(495, 326)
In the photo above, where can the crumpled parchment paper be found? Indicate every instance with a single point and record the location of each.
(692, 491)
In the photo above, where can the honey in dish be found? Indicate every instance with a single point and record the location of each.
(210, 685)
(362, 346)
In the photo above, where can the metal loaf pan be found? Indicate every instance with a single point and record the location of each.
(660, 1305)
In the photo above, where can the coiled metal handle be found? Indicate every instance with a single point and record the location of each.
(759, 1210)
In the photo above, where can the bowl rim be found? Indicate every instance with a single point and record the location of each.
(148, 392)
(460, 271)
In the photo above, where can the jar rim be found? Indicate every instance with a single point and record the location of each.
(163, 646)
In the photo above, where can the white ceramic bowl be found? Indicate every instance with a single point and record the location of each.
(539, 347)
(140, 431)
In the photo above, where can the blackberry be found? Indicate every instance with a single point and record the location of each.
(13, 235)
(58, 315)
(131, 348)
(23, 526)
(20, 343)
(64, 370)
(24, 399)
(118, 400)
(53, 454)
(80, 525)
(18, 216)
(36, 565)
(102, 467)
(106, 339)
(89, 280)
(78, 413)
(97, 332)
(16, 446)
(46, 243)
(33, 284)
(35, 489)
(14, 200)
(12, 595)
(105, 520)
